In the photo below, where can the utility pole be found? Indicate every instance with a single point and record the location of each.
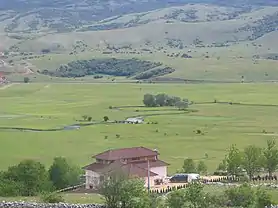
(148, 176)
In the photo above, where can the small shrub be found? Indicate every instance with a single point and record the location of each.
(264, 131)
(90, 118)
(118, 135)
(105, 118)
(156, 130)
(105, 137)
(26, 79)
(110, 107)
(198, 131)
(51, 198)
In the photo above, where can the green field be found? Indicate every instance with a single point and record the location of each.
(56, 105)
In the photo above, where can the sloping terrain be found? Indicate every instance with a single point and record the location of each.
(51, 33)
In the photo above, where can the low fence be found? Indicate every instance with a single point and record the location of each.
(225, 180)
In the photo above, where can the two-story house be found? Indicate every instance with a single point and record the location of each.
(135, 162)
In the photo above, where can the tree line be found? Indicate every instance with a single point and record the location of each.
(30, 178)
(123, 192)
(163, 99)
(114, 67)
(250, 161)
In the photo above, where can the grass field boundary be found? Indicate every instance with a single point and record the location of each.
(236, 103)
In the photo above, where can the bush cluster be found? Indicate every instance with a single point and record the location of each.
(163, 99)
(30, 178)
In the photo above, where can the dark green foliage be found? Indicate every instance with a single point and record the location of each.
(154, 73)
(114, 67)
(189, 166)
(105, 118)
(9, 187)
(163, 99)
(62, 174)
(51, 197)
(246, 196)
(28, 178)
(149, 100)
(270, 159)
(261, 27)
(122, 192)
(26, 79)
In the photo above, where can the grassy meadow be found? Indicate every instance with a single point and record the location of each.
(56, 105)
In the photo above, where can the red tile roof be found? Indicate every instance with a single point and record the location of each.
(132, 169)
(153, 164)
(125, 153)
(95, 167)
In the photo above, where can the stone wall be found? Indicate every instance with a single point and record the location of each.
(43, 205)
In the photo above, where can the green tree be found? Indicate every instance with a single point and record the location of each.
(149, 100)
(31, 176)
(222, 166)
(242, 196)
(26, 79)
(202, 168)
(62, 174)
(270, 154)
(161, 99)
(105, 118)
(176, 199)
(189, 166)
(181, 105)
(263, 198)
(193, 196)
(10, 188)
(234, 161)
(120, 191)
(172, 100)
(251, 160)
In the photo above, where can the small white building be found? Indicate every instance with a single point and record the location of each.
(137, 120)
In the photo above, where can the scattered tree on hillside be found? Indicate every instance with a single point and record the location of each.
(62, 174)
(189, 166)
(252, 160)
(270, 154)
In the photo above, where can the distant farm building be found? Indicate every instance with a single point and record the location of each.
(138, 120)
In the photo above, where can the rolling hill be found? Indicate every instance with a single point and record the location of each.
(39, 32)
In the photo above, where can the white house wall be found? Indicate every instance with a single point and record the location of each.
(152, 179)
(160, 171)
(92, 178)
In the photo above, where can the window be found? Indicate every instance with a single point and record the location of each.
(136, 158)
